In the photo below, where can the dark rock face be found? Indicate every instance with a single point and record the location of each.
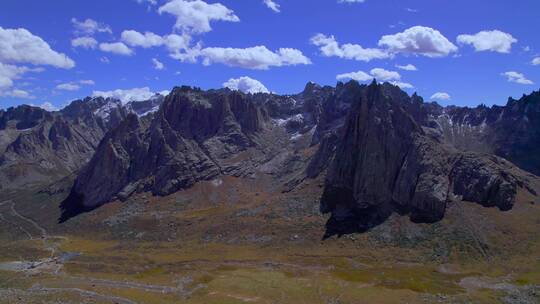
(193, 137)
(386, 162)
(485, 179)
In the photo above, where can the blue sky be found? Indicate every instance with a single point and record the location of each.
(73, 49)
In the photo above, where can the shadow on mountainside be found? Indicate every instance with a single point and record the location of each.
(73, 206)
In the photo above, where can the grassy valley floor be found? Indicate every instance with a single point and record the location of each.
(237, 240)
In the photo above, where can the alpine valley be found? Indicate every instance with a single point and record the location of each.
(348, 194)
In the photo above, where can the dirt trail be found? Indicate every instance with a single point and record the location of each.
(50, 243)
(83, 292)
(21, 228)
(28, 220)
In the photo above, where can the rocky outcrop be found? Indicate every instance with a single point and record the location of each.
(194, 136)
(386, 162)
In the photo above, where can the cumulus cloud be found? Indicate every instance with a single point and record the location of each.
(177, 45)
(272, 5)
(8, 74)
(135, 94)
(16, 93)
(68, 86)
(329, 47)
(21, 46)
(195, 16)
(257, 58)
(176, 42)
(87, 82)
(418, 40)
(89, 27)
(151, 2)
(495, 41)
(84, 42)
(158, 65)
(516, 77)
(441, 96)
(385, 75)
(146, 40)
(358, 76)
(376, 73)
(246, 85)
(402, 85)
(74, 86)
(116, 48)
(536, 61)
(408, 67)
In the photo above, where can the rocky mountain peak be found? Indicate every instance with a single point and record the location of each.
(191, 138)
(386, 162)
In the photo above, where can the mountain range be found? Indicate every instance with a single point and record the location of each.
(379, 150)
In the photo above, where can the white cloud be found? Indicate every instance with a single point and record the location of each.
(87, 82)
(189, 54)
(376, 73)
(177, 42)
(178, 45)
(384, 75)
(16, 93)
(351, 1)
(418, 40)
(135, 94)
(84, 42)
(358, 76)
(68, 86)
(495, 41)
(158, 65)
(146, 40)
(151, 2)
(74, 86)
(195, 16)
(258, 57)
(536, 61)
(441, 96)
(116, 48)
(329, 47)
(8, 74)
(89, 27)
(408, 67)
(272, 5)
(516, 77)
(402, 85)
(21, 46)
(246, 85)
(104, 59)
